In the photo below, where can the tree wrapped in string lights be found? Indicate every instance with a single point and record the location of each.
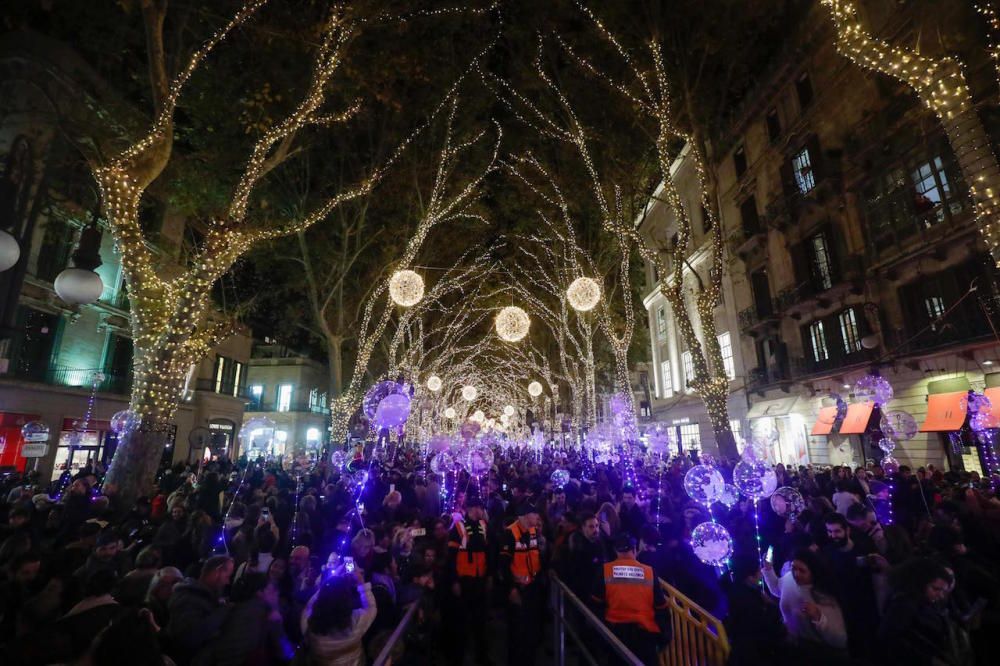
(941, 85)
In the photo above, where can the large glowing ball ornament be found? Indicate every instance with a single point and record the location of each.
(559, 478)
(478, 416)
(469, 393)
(434, 383)
(534, 389)
(438, 443)
(78, 286)
(704, 484)
(659, 441)
(479, 459)
(512, 324)
(730, 495)
(10, 251)
(755, 479)
(508, 410)
(890, 465)
(442, 463)
(34, 432)
(123, 421)
(470, 428)
(406, 288)
(337, 459)
(450, 413)
(392, 411)
(257, 432)
(887, 445)
(583, 294)
(787, 501)
(899, 425)
(873, 388)
(375, 395)
(711, 543)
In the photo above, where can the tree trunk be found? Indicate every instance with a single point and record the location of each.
(971, 145)
(334, 349)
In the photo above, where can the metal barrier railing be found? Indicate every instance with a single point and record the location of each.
(559, 595)
(698, 638)
(384, 657)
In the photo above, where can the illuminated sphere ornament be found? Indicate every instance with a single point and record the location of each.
(508, 410)
(406, 288)
(78, 286)
(730, 495)
(470, 428)
(469, 393)
(10, 251)
(375, 395)
(434, 383)
(787, 502)
(887, 445)
(392, 411)
(450, 413)
(755, 479)
(479, 459)
(35, 432)
(534, 389)
(337, 459)
(123, 421)
(704, 484)
(873, 388)
(512, 323)
(478, 416)
(890, 465)
(711, 543)
(899, 425)
(442, 463)
(583, 294)
(559, 478)
(438, 443)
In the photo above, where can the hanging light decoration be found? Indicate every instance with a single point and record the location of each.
(406, 288)
(508, 410)
(80, 285)
(469, 393)
(434, 383)
(10, 250)
(583, 294)
(534, 389)
(512, 323)
(450, 413)
(478, 416)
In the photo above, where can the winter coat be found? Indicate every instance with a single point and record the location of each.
(196, 616)
(249, 637)
(829, 629)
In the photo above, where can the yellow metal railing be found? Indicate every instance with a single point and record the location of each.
(698, 638)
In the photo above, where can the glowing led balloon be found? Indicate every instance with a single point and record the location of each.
(659, 441)
(450, 413)
(392, 411)
(442, 463)
(704, 484)
(976, 402)
(711, 543)
(534, 389)
(35, 432)
(438, 443)
(983, 420)
(406, 288)
(434, 383)
(469, 393)
(337, 459)
(583, 294)
(730, 495)
(470, 429)
(479, 459)
(899, 425)
(559, 478)
(123, 420)
(512, 323)
(787, 501)
(873, 388)
(887, 445)
(509, 410)
(755, 479)
(376, 393)
(890, 465)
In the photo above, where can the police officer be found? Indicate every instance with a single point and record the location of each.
(469, 571)
(632, 597)
(519, 571)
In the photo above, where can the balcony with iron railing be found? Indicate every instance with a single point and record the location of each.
(845, 276)
(746, 237)
(258, 404)
(106, 381)
(222, 388)
(755, 320)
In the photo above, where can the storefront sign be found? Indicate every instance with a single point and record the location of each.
(34, 450)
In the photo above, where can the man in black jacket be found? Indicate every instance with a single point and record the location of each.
(197, 610)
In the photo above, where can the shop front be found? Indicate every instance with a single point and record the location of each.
(11, 441)
(782, 427)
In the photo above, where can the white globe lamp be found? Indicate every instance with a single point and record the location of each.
(10, 251)
(78, 286)
(534, 389)
(508, 410)
(469, 393)
(450, 413)
(434, 383)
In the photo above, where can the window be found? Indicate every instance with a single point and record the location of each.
(818, 339)
(237, 377)
(220, 372)
(932, 189)
(849, 331)
(229, 376)
(690, 437)
(802, 169)
(749, 216)
(312, 435)
(661, 321)
(935, 307)
(740, 161)
(804, 90)
(256, 395)
(285, 397)
(735, 427)
(823, 268)
(688, 368)
(773, 125)
(666, 380)
(726, 346)
(313, 397)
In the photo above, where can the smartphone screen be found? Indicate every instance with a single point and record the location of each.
(349, 564)
(769, 555)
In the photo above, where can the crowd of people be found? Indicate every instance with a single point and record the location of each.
(247, 563)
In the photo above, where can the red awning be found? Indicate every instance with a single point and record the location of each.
(824, 422)
(945, 412)
(856, 421)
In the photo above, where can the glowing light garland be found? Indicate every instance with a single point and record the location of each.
(406, 288)
(512, 324)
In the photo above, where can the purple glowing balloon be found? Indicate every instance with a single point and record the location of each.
(873, 388)
(392, 411)
(375, 395)
(890, 465)
(711, 543)
(899, 425)
(983, 420)
(975, 403)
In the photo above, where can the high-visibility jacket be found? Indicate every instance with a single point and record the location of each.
(526, 562)
(628, 592)
(470, 561)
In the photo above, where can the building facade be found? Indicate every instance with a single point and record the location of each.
(71, 366)
(290, 390)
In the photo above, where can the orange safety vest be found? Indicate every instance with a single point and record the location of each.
(526, 562)
(472, 563)
(628, 590)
